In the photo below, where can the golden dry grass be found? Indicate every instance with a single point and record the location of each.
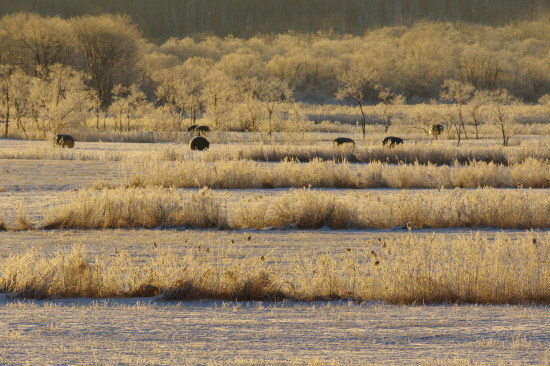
(404, 270)
(246, 174)
(420, 151)
(302, 208)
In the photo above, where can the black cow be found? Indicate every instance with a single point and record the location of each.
(200, 130)
(391, 141)
(63, 140)
(199, 143)
(436, 130)
(343, 140)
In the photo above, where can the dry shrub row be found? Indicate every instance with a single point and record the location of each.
(303, 208)
(243, 174)
(128, 208)
(74, 274)
(408, 269)
(42, 151)
(291, 146)
(422, 152)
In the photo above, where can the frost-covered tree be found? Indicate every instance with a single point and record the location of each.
(218, 95)
(35, 43)
(60, 101)
(127, 104)
(6, 90)
(499, 105)
(249, 91)
(181, 86)
(355, 80)
(388, 107)
(272, 92)
(476, 107)
(242, 64)
(109, 47)
(457, 94)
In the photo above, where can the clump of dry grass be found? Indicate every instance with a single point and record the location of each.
(129, 208)
(302, 208)
(367, 150)
(229, 285)
(246, 174)
(73, 274)
(506, 269)
(467, 270)
(46, 151)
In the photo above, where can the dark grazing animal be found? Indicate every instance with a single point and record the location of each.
(343, 140)
(199, 143)
(436, 130)
(392, 140)
(202, 129)
(63, 140)
(199, 129)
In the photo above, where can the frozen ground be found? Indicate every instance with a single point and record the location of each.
(149, 332)
(146, 331)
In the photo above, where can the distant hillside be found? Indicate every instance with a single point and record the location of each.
(162, 19)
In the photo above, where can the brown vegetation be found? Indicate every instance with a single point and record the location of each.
(63, 74)
(508, 269)
(247, 174)
(304, 208)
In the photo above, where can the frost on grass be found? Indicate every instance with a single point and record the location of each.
(301, 208)
(407, 269)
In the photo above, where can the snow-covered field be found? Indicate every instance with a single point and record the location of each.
(151, 331)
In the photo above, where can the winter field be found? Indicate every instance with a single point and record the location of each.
(364, 273)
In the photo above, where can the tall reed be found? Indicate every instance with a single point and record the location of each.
(506, 269)
(303, 208)
(246, 174)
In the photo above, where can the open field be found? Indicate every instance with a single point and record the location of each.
(327, 278)
(87, 332)
(211, 332)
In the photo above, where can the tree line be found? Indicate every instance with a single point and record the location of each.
(54, 71)
(162, 19)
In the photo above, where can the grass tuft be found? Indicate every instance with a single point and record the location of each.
(301, 208)
(408, 269)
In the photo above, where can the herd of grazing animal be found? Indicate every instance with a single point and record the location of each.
(391, 141)
(201, 143)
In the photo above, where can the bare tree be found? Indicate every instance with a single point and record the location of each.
(6, 95)
(458, 94)
(110, 47)
(36, 43)
(21, 84)
(388, 107)
(500, 102)
(181, 86)
(127, 104)
(272, 92)
(249, 90)
(61, 100)
(355, 81)
(217, 95)
(476, 107)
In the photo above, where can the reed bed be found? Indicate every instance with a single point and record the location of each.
(40, 151)
(422, 152)
(247, 174)
(303, 147)
(301, 208)
(507, 269)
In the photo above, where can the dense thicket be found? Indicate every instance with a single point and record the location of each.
(105, 60)
(162, 19)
